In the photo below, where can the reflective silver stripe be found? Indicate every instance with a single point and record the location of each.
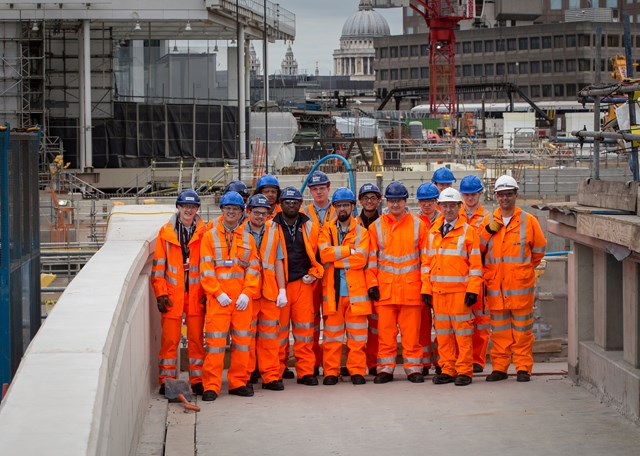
(239, 347)
(493, 292)
(483, 327)
(334, 328)
(502, 316)
(158, 273)
(333, 339)
(373, 316)
(426, 360)
(206, 259)
(297, 325)
(159, 261)
(441, 317)
(416, 232)
(195, 268)
(506, 327)
(253, 272)
(267, 248)
(194, 280)
(215, 335)
(475, 272)
(168, 372)
(255, 262)
(475, 251)
(237, 332)
(399, 271)
(523, 236)
(356, 325)
(442, 332)
(172, 280)
(452, 252)
(538, 250)
(391, 359)
(268, 267)
(431, 252)
(230, 275)
(398, 259)
(196, 361)
(265, 335)
(412, 360)
(302, 338)
(357, 337)
(480, 313)
(413, 369)
(247, 245)
(195, 373)
(307, 228)
(463, 317)
(385, 369)
(209, 273)
(172, 269)
(354, 299)
(523, 291)
(450, 279)
(522, 317)
(167, 361)
(268, 322)
(463, 332)
(373, 331)
(425, 270)
(523, 328)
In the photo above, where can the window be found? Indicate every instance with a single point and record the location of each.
(558, 66)
(555, 4)
(558, 41)
(409, 11)
(404, 73)
(571, 65)
(535, 91)
(511, 44)
(384, 75)
(499, 45)
(574, 4)
(535, 42)
(477, 69)
(523, 68)
(393, 52)
(477, 46)
(558, 90)
(457, 71)
(424, 49)
(571, 41)
(414, 51)
(611, 3)
(404, 51)
(546, 66)
(394, 74)
(584, 65)
(512, 68)
(424, 72)
(499, 69)
(584, 40)
(546, 90)
(384, 53)
(488, 46)
(466, 70)
(546, 42)
(466, 47)
(488, 69)
(535, 67)
(613, 40)
(571, 90)
(525, 90)
(415, 73)
(409, 30)
(523, 44)
(456, 48)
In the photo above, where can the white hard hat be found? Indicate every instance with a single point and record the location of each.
(505, 183)
(450, 195)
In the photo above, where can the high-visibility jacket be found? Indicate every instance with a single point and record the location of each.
(267, 251)
(510, 258)
(430, 221)
(454, 264)
(397, 258)
(329, 216)
(475, 220)
(310, 235)
(334, 254)
(168, 270)
(232, 268)
(276, 210)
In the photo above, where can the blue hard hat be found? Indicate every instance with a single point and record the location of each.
(396, 190)
(427, 191)
(471, 184)
(237, 186)
(318, 178)
(188, 197)
(290, 193)
(258, 200)
(266, 181)
(343, 194)
(443, 176)
(369, 188)
(232, 199)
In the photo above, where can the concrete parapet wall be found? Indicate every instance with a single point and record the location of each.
(84, 383)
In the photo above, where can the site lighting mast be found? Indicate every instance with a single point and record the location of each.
(442, 18)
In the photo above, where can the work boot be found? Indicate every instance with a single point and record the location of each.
(250, 386)
(477, 368)
(316, 371)
(523, 376)
(344, 371)
(197, 389)
(425, 371)
(441, 379)
(496, 376)
(275, 385)
(463, 380)
(255, 376)
(209, 395)
(358, 379)
(241, 391)
(383, 377)
(373, 370)
(416, 377)
(309, 380)
(330, 380)
(438, 370)
(161, 391)
(288, 373)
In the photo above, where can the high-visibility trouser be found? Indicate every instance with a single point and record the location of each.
(428, 345)
(219, 322)
(455, 335)
(265, 344)
(298, 312)
(372, 341)
(169, 341)
(317, 318)
(334, 332)
(481, 332)
(512, 335)
(407, 317)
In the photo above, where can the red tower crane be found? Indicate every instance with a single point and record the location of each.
(442, 18)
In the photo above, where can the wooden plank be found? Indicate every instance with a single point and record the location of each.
(619, 229)
(547, 346)
(608, 194)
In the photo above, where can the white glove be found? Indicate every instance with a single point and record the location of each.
(282, 301)
(353, 251)
(224, 299)
(242, 302)
(308, 279)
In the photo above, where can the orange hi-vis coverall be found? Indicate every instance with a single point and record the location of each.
(481, 317)
(429, 346)
(229, 264)
(329, 216)
(397, 257)
(454, 268)
(299, 310)
(265, 324)
(339, 310)
(510, 258)
(168, 279)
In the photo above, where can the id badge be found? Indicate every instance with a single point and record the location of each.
(228, 262)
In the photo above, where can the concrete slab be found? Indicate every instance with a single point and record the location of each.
(549, 415)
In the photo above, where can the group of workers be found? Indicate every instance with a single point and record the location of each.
(269, 265)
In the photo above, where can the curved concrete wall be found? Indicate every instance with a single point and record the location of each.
(83, 385)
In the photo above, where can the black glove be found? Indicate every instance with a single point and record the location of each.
(426, 298)
(374, 293)
(164, 303)
(470, 299)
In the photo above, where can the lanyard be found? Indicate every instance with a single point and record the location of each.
(341, 234)
(327, 213)
(292, 229)
(228, 237)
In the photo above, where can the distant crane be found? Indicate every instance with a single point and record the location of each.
(442, 18)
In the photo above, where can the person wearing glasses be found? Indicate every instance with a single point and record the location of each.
(512, 244)
(271, 297)
(175, 278)
(302, 270)
(230, 276)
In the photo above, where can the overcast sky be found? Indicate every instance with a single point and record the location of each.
(318, 29)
